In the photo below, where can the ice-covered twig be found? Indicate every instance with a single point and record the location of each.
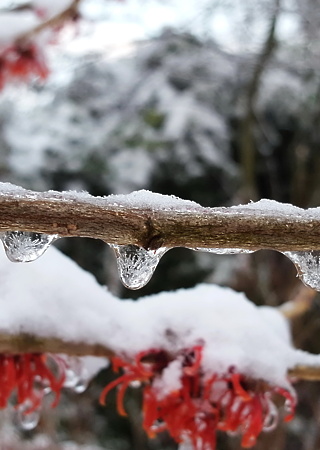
(152, 221)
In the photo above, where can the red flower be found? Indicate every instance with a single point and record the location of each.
(198, 405)
(30, 376)
(20, 63)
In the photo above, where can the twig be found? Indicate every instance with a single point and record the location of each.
(305, 373)
(117, 220)
(300, 304)
(69, 13)
(26, 343)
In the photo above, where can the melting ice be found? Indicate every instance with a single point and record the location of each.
(136, 265)
(23, 246)
(308, 267)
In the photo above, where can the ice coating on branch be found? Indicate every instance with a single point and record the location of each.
(21, 246)
(308, 267)
(223, 251)
(233, 330)
(136, 265)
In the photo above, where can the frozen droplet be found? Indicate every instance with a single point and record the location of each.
(308, 267)
(23, 246)
(136, 265)
(135, 384)
(222, 251)
(26, 420)
(81, 386)
(76, 375)
(271, 418)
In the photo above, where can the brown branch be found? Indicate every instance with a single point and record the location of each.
(300, 304)
(67, 14)
(308, 373)
(246, 136)
(26, 343)
(120, 221)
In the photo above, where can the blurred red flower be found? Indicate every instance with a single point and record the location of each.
(199, 405)
(29, 376)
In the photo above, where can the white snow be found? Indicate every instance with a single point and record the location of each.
(13, 24)
(265, 205)
(54, 297)
(136, 199)
(51, 8)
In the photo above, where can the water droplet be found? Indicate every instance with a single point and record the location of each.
(27, 421)
(135, 384)
(271, 418)
(308, 267)
(136, 265)
(76, 375)
(81, 386)
(22, 246)
(222, 251)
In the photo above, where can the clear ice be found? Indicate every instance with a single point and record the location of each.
(272, 417)
(26, 421)
(76, 378)
(222, 251)
(135, 264)
(308, 267)
(23, 246)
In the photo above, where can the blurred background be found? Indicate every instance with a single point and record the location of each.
(216, 101)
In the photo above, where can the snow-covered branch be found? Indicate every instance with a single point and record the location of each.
(155, 221)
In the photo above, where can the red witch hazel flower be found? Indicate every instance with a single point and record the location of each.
(22, 63)
(25, 380)
(193, 406)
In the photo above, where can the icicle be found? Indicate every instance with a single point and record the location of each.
(222, 251)
(27, 421)
(308, 267)
(136, 265)
(23, 246)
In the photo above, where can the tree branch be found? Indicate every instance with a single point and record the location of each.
(69, 13)
(300, 304)
(308, 373)
(150, 224)
(26, 343)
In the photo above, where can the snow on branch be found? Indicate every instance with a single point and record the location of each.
(154, 221)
